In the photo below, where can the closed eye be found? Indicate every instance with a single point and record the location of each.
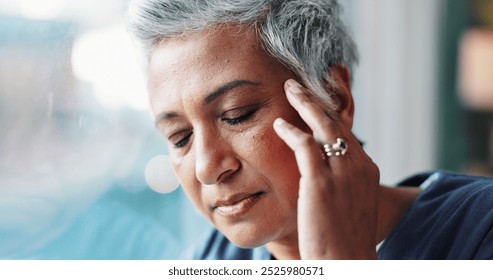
(239, 119)
(183, 139)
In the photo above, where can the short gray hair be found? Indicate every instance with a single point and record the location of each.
(306, 36)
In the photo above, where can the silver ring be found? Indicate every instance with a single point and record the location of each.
(338, 148)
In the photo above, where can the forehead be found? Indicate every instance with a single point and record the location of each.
(204, 47)
(210, 50)
(203, 61)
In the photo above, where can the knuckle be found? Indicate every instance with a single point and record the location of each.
(375, 171)
(370, 171)
(325, 124)
(307, 103)
(306, 140)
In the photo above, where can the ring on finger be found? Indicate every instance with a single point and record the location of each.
(337, 148)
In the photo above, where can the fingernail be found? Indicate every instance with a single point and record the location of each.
(279, 122)
(293, 86)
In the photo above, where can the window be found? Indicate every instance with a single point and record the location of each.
(76, 139)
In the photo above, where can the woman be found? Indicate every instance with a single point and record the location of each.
(254, 98)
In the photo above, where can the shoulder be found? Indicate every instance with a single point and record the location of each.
(451, 219)
(447, 189)
(215, 246)
(461, 198)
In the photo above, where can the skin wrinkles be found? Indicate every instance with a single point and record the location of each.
(208, 99)
(223, 160)
(247, 166)
(169, 121)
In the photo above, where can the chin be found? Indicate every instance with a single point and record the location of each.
(251, 237)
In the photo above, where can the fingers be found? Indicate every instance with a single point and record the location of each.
(343, 188)
(325, 128)
(306, 149)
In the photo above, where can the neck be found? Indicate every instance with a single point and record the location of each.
(286, 249)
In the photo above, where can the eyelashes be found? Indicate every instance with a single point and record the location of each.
(239, 119)
(181, 138)
(181, 143)
(230, 120)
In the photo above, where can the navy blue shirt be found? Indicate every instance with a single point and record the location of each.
(452, 218)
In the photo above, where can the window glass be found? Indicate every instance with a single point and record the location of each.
(77, 138)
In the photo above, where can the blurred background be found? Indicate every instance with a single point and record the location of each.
(77, 136)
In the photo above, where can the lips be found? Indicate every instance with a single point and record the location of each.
(237, 204)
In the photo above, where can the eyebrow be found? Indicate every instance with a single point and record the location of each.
(226, 88)
(210, 97)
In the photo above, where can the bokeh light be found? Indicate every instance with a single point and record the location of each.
(41, 9)
(108, 60)
(160, 176)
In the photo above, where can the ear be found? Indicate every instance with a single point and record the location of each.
(342, 88)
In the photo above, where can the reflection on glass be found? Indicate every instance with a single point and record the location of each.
(76, 138)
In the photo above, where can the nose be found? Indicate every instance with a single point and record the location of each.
(215, 159)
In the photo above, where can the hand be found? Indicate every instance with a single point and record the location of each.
(337, 202)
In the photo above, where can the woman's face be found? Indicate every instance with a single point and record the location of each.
(215, 96)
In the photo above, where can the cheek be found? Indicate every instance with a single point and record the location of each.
(276, 161)
(180, 168)
(185, 171)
